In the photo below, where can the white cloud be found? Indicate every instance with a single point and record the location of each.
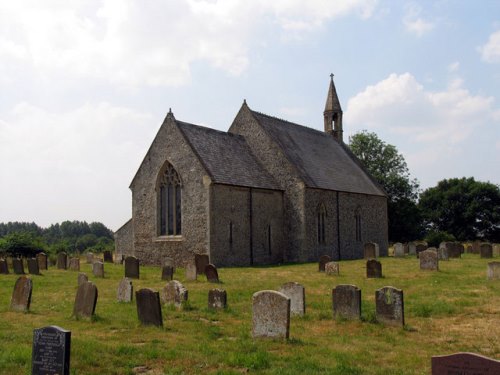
(454, 67)
(490, 52)
(416, 24)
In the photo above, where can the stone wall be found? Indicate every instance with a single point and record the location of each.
(124, 240)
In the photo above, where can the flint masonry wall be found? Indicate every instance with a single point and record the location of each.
(124, 239)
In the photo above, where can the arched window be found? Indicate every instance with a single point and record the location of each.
(321, 223)
(357, 219)
(170, 223)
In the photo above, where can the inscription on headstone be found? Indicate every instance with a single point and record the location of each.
(51, 351)
(132, 267)
(464, 364)
(389, 306)
(346, 301)
(323, 260)
(297, 295)
(270, 314)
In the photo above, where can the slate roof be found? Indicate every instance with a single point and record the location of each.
(321, 161)
(227, 157)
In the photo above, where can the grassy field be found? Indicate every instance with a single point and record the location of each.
(455, 309)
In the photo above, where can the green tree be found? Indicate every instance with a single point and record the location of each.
(22, 244)
(463, 207)
(388, 167)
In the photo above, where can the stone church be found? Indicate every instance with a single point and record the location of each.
(266, 191)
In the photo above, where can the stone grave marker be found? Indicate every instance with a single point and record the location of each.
(167, 273)
(461, 247)
(4, 267)
(211, 273)
(21, 296)
(191, 272)
(346, 300)
(174, 293)
(119, 258)
(373, 268)
(464, 364)
(108, 256)
(443, 253)
(370, 250)
(33, 266)
(496, 250)
(454, 250)
(98, 269)
(89, 257)
(74, 264)
(270, 315)
(132, 267)
(476, 247)
(217, 299)
(201, 261)
(297, 294)
(148, 307)
(420, 247)
(399, 251)
(389, 306)
(412, 248)
(51, 351)
(85, 300)
(493, 271)
(332, 269)
(62, 261)
(468, 249)
(82, 278)
(42, 261)
(429, 260)
(406, 249)
(324, 259)
(125, 290)
(18, 266)
(486, 250)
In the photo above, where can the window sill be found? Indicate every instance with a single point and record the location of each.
(168, 238)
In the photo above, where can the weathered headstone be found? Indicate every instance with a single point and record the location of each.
(270, 314)
(62, 261)
(373, 268)
(476, 247)
(98, 269)
(389, 306)
(412, 248)
(51, 351)
(399, 251)
(21, 296)
(332, 269)
(443, 253)
(18, 266)
(217, 299)
(346, 301)
(174, 293)
(201, 261)
(4, 267)
(297, 295)
(108, 256)
(464, 364)
(461, 247)
(74, 264)
(89, 257)
(211, 273)
(429, 260)
(370, 250)
(496, 250)
(468, 249)
(148, 307)
(125, 290)
(493, 271)
(420, 247)
(454, 250)
(167, 273)
(486, 250)
(82, 278)
(132, 267)
(42, 261)
(191, 272)
(167, 261)
(406, 248)
(85, 300)
(33, 266)
(324, 259)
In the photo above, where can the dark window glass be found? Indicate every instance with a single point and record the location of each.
(170, 206)
(163, 211)
(178, 221)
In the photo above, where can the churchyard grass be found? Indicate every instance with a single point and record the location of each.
(453, 310)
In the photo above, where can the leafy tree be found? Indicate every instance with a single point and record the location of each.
(463, 207)
(22, 244)
(388, 167)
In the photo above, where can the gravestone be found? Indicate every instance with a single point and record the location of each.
(74, 264)
(468, 249)
(332, 269)
(370, 250)
(217, 299)
(174, 293)
(297, 295)
(89, 257)
(98, 269)
(18, 266)
(42, 261)
(486, 250)
(132, 267)
(420, 247)
(324, 259)
(167, 273)
(4, 267)
(108, 256)
(496, 250)
(270, 315)
(191, 272)
(33, 266)
(211, 273)
(493, 271)
(148, 307)
(454, 251)
(464, 364)
(373, 268)
(389, 306)
(125, 290)
(429, 260)
(62, 261)
(399, 251)
(21, 296)
(85, 300)
(443, 253)
(346, 300)
(406, 249)
(82, 278)
(119, 258)
(51, 351)
(412, 248)
(476, 247)
(461, 248)
(201, 261)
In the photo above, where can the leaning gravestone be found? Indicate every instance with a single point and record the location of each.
(42, 261)
(98, 269)
(399, 251)
(270, 315)
(429, 260)
(167, 273)
(33, 266)
(74, 264)
(18, 266)
(297, 295)
(373, 268)
(493, 271)
(4, 267)
(125, 290)
(464, 364)
(389, 306)
(62, 260)
(324, 259)
(346, 302)
(217, 299)
(486, 250)
(21, 296)
(191, 273)
(370, 250)
(201, 261)
(174, 293)
(211, 273)
(85, 300)
(51, 351)
(82, 278)
(332, 269)
(108, 256)
(148, 307)
(132, 267)
(89, 257)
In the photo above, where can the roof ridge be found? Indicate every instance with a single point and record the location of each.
(307, 128)
(207, 128)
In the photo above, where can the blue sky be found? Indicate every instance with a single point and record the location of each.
(85, 85)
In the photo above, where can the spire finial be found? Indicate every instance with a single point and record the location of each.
(170, 110)
(331, 76)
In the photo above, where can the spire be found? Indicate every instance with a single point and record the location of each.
(333, 113)
(332, 100)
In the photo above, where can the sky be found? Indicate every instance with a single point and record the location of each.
(86, 84)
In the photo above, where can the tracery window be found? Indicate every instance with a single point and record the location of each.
(321, 224)
(170, 223)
